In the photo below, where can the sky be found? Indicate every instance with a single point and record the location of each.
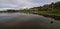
(18, 4)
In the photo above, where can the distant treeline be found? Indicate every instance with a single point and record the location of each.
(52, 6)
(49, 10)
(47, 7)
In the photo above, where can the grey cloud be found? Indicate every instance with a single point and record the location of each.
(23, 3)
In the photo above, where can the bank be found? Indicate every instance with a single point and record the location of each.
(55, 16)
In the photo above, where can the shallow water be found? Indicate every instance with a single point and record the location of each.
(26, 21)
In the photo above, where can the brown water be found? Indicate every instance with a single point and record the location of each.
(26, 21)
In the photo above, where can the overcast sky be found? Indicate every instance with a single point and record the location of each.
(23, 3)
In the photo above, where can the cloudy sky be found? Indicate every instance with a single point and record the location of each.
(23, 3)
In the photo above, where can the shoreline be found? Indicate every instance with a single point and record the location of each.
(54, 16)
